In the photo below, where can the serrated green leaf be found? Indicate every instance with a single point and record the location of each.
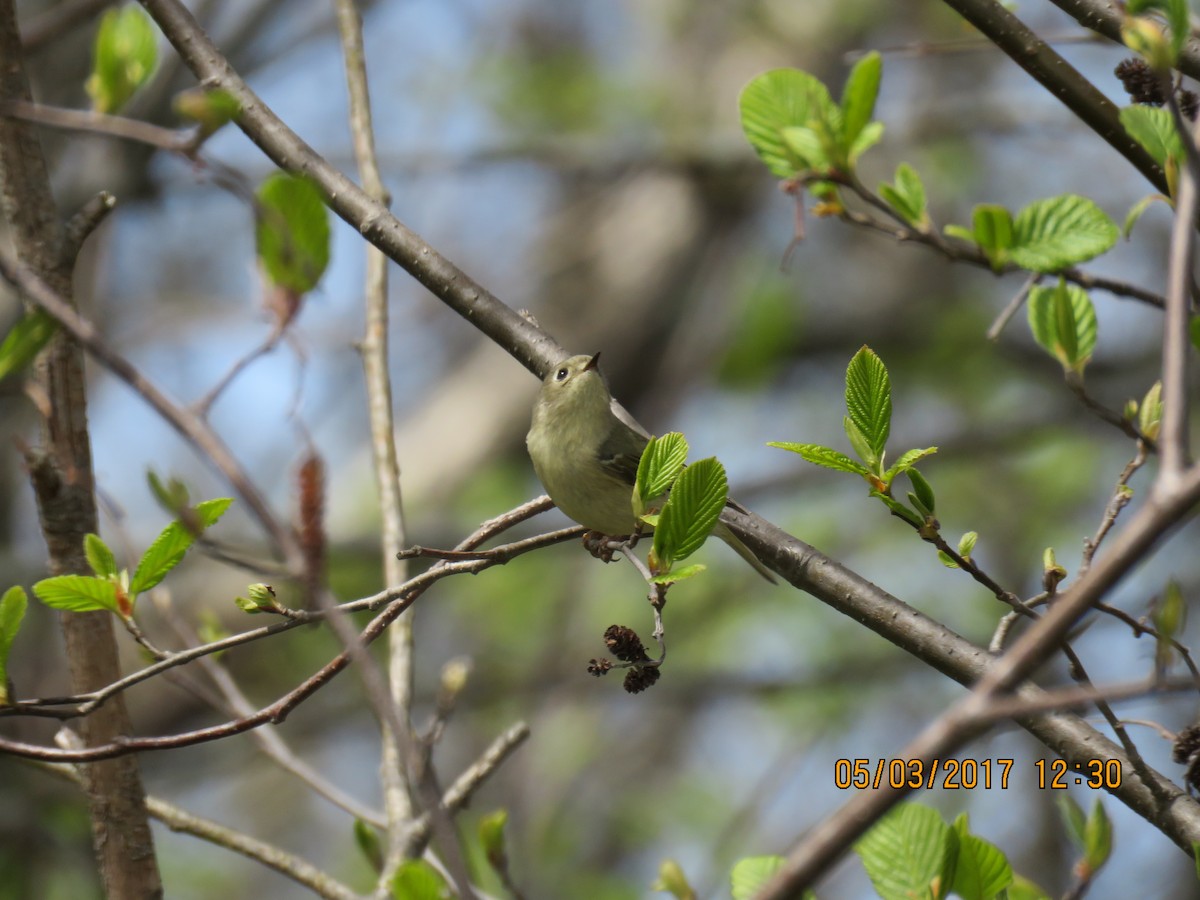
(859, 94)
(99, 557)
(774, 101)
(906, 195)
(751, 874)
(292, 232)
(823, 456)
(12, 613)
(993, 231)
(860, 444)
(418, 880)
(1097, 837)
(981, 871)
(24, 341)
(658, 468)
(208, 512)
(164, 554)
(168, 549)
(1057, 232)
(77, 593)
(1063, 322)
(123, 57)
(695, 504)
(905, 463)
(869, 402)
(678, 574)
(909, 853)
(922, 488)
(1154, 129)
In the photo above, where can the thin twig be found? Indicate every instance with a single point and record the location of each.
(290, 866)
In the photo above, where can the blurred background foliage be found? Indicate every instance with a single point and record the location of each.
(584, 161)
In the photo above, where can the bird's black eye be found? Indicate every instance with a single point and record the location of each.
(561, 374)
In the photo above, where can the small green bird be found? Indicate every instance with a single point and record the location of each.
(585, 451)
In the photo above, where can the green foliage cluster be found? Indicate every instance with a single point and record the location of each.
(697, 494)
(109, 588)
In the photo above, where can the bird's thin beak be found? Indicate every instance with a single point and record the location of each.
(592, 363)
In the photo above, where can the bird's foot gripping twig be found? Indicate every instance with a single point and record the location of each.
(603, 546)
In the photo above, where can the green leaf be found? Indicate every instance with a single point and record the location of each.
(966, 544)
(491, 838)
(292, 232)
(658, 468)
(208, 512)
(418, 880)
(1057, 232)
(671, 880)
(1074, 819)
(1168, 615)
(99, 557)
(123, 57)
(777, 100)
(77, 593)
(1097, 837)
(922, 488)
(1154, 128)
(24, 341)
(905, 463)
(1150, 412)
(859, 95)
(366, 838)
(1024, 889)
(867, 138)
(678, 574)
(906, 195)
(1063, 322)
(12, 613)
(691, 511)
(899, 509)
(982, 871)
(962, 233)
(1136, 211)
(869, 403)
(173, 496)
(860, 444)
(993, 232)
(909, 853)
(751, 874)
(210, 108)
(168, 549)
(823, 456)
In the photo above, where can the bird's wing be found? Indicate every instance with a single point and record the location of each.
(621, 452)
